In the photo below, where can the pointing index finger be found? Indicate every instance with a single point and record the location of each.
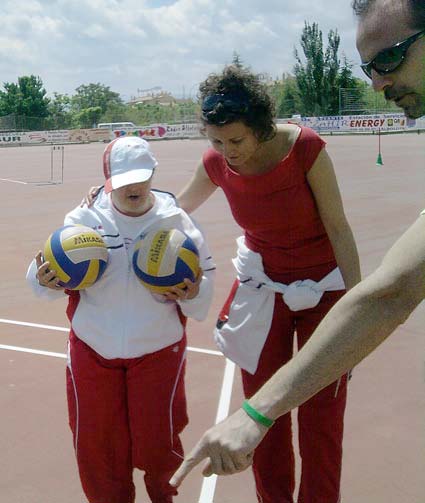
(198, 453)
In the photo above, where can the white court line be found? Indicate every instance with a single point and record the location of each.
(205, 351)
(64, 329)
(13, 181)
(208, 486)
(34, 325)
(32, 351)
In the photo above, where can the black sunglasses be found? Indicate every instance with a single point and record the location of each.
(231, 104)
(388, 60)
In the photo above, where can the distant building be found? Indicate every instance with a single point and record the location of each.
(160, 98)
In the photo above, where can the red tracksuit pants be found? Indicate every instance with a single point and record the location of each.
(320, 420)
(126, 414)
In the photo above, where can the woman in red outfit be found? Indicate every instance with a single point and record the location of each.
(295, 260)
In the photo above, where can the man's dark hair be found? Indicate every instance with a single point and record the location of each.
(416, 7)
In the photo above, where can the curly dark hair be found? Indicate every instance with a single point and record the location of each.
(417, 10)
(240, 81)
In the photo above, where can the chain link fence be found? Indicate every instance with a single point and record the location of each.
(150, 115)
(14, 122)
(364, 101)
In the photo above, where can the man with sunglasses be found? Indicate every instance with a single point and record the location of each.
(391, 43)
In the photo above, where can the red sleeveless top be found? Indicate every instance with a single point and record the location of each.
(277, 211)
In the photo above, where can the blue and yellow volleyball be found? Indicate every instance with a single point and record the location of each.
(78, 254)
(164, 258)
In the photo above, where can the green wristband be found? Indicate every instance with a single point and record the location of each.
(257, 416)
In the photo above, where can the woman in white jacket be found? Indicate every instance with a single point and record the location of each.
(126, 352)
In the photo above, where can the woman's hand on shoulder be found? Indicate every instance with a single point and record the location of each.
(91, 196)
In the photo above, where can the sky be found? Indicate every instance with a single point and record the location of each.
(134, 45)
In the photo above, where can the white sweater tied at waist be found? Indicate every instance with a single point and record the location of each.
(242, 337)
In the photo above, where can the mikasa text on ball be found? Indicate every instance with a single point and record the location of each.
(164, 258)
(78, 254)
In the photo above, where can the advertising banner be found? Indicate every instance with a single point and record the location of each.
(161, 131)
(361, 123)
(60, 136)
(342, 123)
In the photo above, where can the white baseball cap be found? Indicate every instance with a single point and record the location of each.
(127, 160)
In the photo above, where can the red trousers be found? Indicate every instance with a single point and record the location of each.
(126, 414)
(320, 420)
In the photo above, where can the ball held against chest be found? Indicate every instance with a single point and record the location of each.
(78, 254)
(164, 258)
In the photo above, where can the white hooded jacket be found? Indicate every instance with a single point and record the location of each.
(117, 316)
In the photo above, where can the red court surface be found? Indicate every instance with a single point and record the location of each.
(384, 444)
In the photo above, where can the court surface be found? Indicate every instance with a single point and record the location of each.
(384, 444)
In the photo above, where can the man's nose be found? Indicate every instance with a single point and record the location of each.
(381, 82)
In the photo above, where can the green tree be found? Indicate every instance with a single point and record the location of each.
(91, 101)
(310, 76)
(94, 95)
(87, 117)
(284, 92)
(26, 98)
(60, 113)
(116, 112)
(289, 104)
(322, 74)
